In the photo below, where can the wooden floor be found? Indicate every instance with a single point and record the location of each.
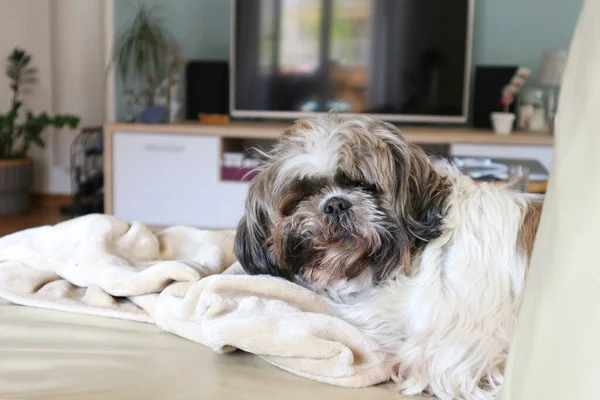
(44, 211)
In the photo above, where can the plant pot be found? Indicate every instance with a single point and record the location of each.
(16, 178)
(502, 122)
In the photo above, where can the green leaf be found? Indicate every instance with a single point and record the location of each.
(39, 141)
(141, 47)
(16, 139)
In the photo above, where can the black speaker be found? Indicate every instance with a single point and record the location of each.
(489, 81)
(207, 88)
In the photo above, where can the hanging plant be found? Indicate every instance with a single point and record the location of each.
(141, 49)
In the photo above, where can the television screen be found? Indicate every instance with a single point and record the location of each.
(404, 60)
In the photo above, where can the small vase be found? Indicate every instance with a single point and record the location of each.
(502, 122)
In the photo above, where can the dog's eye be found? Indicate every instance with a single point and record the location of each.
(368, 187)
(300, 199)
(292, 205)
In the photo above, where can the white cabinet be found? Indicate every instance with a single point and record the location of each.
(167, 179)
(163, 178)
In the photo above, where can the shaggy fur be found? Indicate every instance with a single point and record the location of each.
(427, 262)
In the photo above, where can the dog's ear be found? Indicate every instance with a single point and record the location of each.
(421, 193)
(428, 192)
(251, 248)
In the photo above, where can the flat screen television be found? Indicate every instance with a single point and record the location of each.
(398, 60)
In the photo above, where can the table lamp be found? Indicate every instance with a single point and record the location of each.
(552, 67)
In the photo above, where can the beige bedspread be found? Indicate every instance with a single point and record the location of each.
(186, 282)
(54, 355)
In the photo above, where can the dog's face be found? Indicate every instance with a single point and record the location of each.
(340, 199)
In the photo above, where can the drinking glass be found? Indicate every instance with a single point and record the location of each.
(518, 178)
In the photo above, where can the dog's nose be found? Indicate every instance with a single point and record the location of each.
(336, 205)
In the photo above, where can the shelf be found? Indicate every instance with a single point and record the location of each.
(274, 130)
(134, 152)
(234, 155)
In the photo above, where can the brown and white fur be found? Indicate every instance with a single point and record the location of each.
(430, 264)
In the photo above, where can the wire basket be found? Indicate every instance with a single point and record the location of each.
(87, 174)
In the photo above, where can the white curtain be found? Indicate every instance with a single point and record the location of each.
(556, 351)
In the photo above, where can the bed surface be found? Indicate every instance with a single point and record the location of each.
(53, 355)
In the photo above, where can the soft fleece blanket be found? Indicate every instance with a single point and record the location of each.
(185, 281)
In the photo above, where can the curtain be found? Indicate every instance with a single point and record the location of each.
(555, 354)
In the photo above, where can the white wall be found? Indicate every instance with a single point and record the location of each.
(66, 40)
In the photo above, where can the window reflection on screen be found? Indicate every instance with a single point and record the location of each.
(300, 27)
(267, 36)
(396, 57)
(349, 53)
(351, 32)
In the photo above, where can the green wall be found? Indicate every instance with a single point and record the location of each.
(518, 31)
(505, 32)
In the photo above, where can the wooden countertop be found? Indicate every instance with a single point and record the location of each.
(273, 130)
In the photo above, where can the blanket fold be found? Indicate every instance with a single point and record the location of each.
(187, 282)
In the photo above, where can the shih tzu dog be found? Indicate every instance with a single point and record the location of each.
(429, 263)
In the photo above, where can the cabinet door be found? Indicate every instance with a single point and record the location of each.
(166, 179)
(233, 199)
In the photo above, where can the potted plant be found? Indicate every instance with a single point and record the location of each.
(140, 52)
(18, 134)
(503, 121)
(145, 53)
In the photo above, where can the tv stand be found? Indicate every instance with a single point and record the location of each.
(171, 174)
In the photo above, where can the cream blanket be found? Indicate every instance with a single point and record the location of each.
(187, 282)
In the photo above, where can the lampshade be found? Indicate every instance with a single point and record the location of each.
(552, 66)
